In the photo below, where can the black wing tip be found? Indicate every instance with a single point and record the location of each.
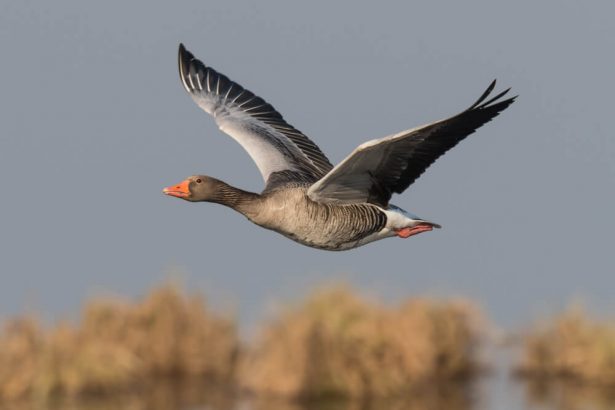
(481, 103)
(182, 65)
(185, 59)
(183, 51)
(183, 55)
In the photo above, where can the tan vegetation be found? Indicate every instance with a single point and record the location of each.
(338, 344)
(117, 346)
(169, 350)
(334, 344)
(572, 346)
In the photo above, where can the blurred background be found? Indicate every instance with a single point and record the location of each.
(95, 123)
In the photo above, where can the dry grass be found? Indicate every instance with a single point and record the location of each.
(572, 346)
(117, 346)
(338, 344)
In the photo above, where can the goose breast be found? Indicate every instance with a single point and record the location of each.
(327, 226)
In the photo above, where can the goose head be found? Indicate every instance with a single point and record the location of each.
(197, 188)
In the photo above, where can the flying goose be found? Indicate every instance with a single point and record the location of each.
(305, 197)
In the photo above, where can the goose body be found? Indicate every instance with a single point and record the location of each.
(325, 226)
(305, 198)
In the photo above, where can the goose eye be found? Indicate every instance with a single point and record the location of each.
(199, 180)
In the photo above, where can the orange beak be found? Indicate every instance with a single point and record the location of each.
(181, 190)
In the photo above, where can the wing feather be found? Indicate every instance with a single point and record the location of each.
(274, 145)
(379, 168)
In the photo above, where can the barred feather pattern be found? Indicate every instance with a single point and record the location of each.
(344, 224)
(325, 226)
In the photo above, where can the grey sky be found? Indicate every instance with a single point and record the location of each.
(95, 123)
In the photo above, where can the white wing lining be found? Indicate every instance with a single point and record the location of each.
(273, 144)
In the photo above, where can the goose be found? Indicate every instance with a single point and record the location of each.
(305, 197)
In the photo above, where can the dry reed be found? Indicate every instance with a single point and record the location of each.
(572, 346)
(117, 346)
(337, 344)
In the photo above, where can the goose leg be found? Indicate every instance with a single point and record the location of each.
(412, 230)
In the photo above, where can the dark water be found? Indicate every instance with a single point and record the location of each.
(487, 394)
(491, 392)
(497, 389)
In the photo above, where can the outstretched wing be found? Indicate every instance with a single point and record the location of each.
(378, 168)
(274, 145)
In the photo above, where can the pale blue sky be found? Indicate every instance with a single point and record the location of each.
(95, 123)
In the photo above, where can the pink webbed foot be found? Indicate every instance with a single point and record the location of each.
(409, 231)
